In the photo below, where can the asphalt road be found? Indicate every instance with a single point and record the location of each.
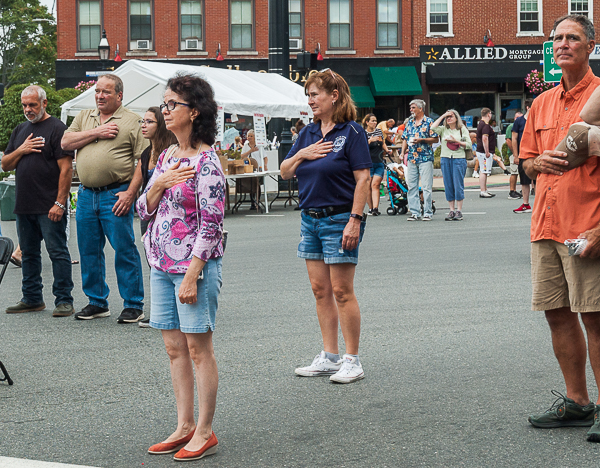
(454, 358)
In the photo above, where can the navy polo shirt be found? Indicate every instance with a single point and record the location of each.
(329, 181)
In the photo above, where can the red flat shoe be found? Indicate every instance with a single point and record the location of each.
(209, 448)
(170, 447)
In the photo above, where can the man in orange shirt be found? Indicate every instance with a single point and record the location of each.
(567, 205)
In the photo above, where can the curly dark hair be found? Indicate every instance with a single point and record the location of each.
(199, 94)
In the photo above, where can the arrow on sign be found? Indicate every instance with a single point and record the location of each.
(554, 71)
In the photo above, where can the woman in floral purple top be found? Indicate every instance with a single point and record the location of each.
(184, 202)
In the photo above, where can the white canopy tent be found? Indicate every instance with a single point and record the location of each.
(239, 92)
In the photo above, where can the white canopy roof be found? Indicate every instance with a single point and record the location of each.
(239, 92)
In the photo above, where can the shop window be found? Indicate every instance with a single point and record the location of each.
(295, 12)
(89, 25)
(439, 17)
(242, 24)
(388, 23)
(140, 25)
(340, 24)
(529, 16)
(191, 24)
(468, 105)
(581, 7)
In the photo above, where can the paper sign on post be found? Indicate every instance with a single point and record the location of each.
(304, 117)
(220, 123)
(260, 129)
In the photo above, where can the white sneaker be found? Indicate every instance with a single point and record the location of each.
(426, 218)
(475, 175)
(351, 371)
(320, 366)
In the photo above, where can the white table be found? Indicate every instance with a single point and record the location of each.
(257, 175)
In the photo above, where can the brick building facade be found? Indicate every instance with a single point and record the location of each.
(388, 50)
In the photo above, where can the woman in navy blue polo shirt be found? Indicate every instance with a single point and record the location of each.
(331, 161)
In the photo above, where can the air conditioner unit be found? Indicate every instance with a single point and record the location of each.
(143, 45)
(515, 87)
(192, 44)
(295, 44)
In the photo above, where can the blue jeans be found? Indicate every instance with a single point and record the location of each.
(32, 229)
(413, 171)
(95, 223)
(453, 170)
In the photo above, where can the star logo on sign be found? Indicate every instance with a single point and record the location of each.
(432, 54)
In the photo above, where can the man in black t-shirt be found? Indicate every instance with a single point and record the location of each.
(517, 134)
(486, 148)
(43, 180)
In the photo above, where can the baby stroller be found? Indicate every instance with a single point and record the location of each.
(398, 193)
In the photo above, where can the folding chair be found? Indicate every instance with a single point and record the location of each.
(6, 249)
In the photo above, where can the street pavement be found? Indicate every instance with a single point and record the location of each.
(454, 358)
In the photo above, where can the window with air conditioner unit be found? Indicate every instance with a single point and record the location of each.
(295, 44)
(193, 44)
(143, 45)
(140, 24)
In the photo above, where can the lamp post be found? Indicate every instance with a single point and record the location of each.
(104, 49)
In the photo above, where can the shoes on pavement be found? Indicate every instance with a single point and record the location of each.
(209, 448)
(593, 434)
(427, 218)
(376, 212)
(21, 307)
(514, 195)
(170, 447)
(130, 315)
(370, 212)
(520, 193)
(90, 312)
(486, 195)
(506, 171)
(144, 323)
(458, 216)
(320, 366)
(564, 412)
(63, 310)
(413, 217)
(15, 261)
(532, 192)
(450, 216)
(523, 209)
(351, 371)
(475, 175)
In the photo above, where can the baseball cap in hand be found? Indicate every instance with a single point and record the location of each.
(581, 143)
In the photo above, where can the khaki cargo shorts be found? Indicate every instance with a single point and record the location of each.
(562, 281)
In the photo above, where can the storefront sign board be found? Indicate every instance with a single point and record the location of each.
(260, 129)
(552, 72)
(480, 53)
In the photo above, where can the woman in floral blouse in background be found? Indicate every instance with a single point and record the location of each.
(184, 202)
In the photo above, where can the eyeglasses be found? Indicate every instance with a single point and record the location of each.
(171, 105)
(146, 122)
(331, 72)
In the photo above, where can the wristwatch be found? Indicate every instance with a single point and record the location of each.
(357, 216)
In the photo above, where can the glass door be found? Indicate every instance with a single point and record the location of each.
(509, 105)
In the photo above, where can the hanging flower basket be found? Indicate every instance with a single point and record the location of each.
(535, 82)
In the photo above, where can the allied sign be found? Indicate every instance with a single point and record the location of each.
(595, 55)
(552, 72)
(480, 53)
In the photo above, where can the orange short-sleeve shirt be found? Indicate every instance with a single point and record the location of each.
(567, 205)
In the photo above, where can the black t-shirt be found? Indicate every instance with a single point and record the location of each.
(519, 128)
(37, 174)
(485, 129)
(376, 147)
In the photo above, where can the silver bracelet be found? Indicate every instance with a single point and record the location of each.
(61, 206)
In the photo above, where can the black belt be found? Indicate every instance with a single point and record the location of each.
(319, 213)
(106, 187)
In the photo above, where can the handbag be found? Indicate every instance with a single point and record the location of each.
(468, 152)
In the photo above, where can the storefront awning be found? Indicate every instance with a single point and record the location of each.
(394, 81)
(362, 96)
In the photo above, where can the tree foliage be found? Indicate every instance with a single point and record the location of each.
(27, 43)
(11, 112)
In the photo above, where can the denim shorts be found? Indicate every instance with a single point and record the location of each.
(377, 169)
(321, 239)
(168, 313)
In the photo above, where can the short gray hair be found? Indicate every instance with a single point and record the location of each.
(581, 20)
(419, 103)
(116, 80)
(35, 89)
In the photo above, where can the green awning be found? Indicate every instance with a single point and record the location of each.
(362, 97)
(394, 81)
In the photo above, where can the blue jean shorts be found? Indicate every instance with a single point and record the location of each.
(321, 239)
(168, 313)
(377, 169)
